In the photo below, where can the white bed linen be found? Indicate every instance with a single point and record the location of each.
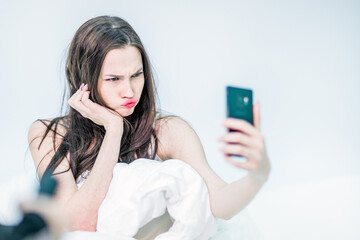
(145, 189)
(24, 187)
(19, 188)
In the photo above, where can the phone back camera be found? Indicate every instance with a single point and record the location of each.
(242, 102)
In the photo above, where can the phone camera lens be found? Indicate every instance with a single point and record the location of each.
(246, 101)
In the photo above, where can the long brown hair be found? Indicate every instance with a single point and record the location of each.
(92, 41)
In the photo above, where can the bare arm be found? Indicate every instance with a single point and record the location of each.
(179, 140)
(82, 205)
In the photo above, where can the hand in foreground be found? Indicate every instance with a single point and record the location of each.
(247, 141)
(98, 114)
(51, 212)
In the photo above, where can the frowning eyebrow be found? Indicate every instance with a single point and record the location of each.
(121, 76)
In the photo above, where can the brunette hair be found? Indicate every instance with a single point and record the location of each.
(92, 41)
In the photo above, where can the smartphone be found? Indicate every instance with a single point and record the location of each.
(240, 103)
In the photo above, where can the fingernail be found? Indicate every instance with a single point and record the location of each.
(81, 86)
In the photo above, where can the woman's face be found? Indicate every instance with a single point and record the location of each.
(121, 79)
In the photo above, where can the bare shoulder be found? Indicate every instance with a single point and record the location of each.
(42, 151)
(164, 123)
(178, 140)
(42, 148)
(171, 132)
(39, 127)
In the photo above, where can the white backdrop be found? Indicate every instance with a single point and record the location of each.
(301, 58)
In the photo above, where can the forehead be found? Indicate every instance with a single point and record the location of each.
(122, 61)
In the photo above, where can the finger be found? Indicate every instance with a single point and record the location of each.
(78, 94)
(90, 105)
(241, 125)
(246, 165)
(85, 97)
(256, 110)
(79, 103)
(76, 97)
(237, 137)
(29, 206)
(35, 206)
(83, 110)
(75, 102)
(84, 88)
(237, 149)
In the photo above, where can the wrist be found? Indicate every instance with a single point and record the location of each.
(117, 128)
(114, 126)
(262, 173)
(260, 178)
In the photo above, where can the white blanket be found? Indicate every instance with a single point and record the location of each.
(23, 187)
(144, 190)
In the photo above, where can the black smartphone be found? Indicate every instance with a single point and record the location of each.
(239, 103)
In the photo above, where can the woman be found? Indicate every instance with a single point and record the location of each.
(113, 119)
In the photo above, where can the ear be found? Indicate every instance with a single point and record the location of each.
(256, 112)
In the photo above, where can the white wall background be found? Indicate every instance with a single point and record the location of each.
(301, 58)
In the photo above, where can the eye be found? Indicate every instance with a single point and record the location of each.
(112, 79)
(137, 74)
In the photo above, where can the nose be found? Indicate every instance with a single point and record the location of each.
(126, 90)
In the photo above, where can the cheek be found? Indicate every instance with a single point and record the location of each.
(104, 94)
(141, 86)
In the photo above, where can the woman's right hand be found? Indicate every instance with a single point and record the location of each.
(95, 112)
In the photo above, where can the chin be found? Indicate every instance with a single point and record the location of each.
(125, 112)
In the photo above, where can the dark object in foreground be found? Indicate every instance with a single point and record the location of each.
(32, 223)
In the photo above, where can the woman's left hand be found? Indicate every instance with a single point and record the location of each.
(247, 141)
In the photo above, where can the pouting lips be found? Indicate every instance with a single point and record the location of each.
(129, 104)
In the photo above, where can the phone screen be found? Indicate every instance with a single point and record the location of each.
(240, 103)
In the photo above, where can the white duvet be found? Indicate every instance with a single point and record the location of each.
(145, 189)
(139, 192)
